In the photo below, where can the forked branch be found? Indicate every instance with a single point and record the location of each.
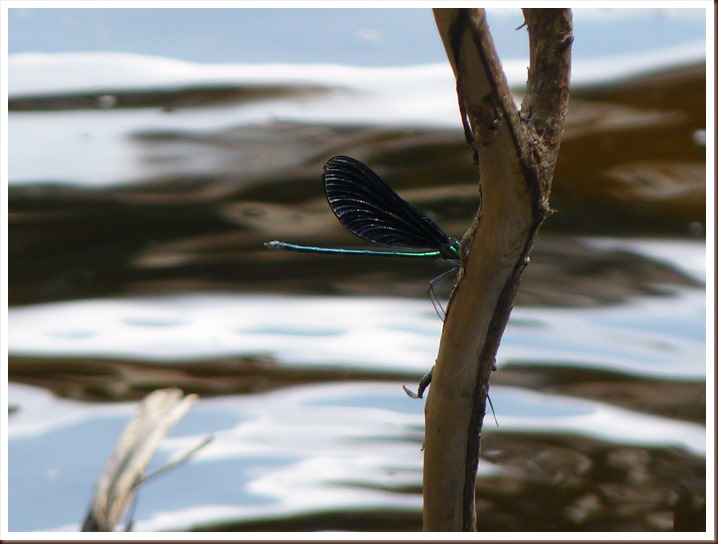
(516, 153)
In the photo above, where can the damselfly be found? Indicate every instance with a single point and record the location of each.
(369, 208)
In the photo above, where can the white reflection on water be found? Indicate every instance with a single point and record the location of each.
(686, 256)
(650, 336)
(661, 337)
(95, 147)
(298, 450)
(529, 411)
(389, 334)
(653, 336)
(309, 449)
(286, 452)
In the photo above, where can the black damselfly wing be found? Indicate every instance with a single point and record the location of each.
(369, 208)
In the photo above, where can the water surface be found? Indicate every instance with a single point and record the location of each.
(141, 191)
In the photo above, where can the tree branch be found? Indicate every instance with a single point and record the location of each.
(516, 155)
(155, 417)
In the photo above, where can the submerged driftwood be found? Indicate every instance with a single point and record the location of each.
(156, 415)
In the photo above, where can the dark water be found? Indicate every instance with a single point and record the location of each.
(116, 290)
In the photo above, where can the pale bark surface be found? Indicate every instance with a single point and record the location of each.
(158, 413)
(516, 155)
